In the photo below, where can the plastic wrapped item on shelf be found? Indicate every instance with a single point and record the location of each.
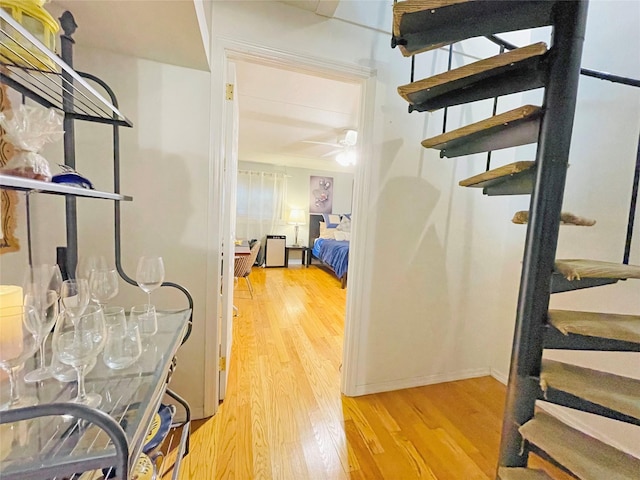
(28, 129)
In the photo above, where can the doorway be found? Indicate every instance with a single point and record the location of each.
(250, 59)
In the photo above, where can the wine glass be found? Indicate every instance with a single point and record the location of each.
(44, 277)
(41, 288)
(17, 344)
(74, 295)
(79, 340)
(46, 306)
(103, 285)
(88, 263)
(150, 274)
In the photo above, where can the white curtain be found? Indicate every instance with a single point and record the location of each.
(260, 205)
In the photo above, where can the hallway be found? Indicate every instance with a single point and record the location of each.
(284, 417)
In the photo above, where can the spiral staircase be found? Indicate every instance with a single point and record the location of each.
(422, 25)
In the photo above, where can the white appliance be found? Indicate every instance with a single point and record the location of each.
(274, 251)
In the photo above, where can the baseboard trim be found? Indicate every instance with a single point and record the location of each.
(500, 376)
(419, 381)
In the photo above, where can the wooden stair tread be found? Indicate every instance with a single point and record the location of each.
(575, 269)
(615, 392)
(477, 79)
(566, 218)
(591, 324)
(585, 456)
(483, 125)
(473, 138)
(400, 9)
(505, 473)
(490, 177)
(420, 25)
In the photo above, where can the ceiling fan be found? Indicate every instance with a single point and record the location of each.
(346, 141)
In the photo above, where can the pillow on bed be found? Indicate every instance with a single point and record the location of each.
(331, 220)
(342, 236)
(345, 224)
(327, 233)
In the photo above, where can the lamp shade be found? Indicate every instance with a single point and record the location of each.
(296, 217)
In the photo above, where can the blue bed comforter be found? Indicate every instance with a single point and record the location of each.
(334, 253)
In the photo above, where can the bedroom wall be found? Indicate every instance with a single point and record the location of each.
(298, 192)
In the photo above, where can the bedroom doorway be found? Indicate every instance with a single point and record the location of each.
(361, 79)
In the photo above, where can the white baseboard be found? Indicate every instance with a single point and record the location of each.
(500, 376)
(419, 381)
(198, 413)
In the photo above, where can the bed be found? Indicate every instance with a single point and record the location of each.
(330, 245)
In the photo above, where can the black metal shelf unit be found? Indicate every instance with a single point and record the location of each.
(61, 87)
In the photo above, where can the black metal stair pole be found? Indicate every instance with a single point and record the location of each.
(542, 232)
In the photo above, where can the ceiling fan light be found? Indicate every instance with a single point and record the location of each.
(350, 137)
(346, 158)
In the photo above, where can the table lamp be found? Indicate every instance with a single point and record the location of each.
(296, 217)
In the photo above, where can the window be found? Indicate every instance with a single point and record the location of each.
(260, 201)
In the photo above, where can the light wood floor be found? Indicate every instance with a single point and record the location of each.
(284, 416)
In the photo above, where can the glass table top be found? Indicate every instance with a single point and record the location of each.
(130, 396)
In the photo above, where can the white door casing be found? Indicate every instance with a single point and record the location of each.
(229, 223)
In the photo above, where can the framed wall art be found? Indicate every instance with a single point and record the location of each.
(321, 199)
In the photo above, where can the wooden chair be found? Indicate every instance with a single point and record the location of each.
(243, 265)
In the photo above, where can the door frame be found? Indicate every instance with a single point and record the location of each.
(229, 50)
(230, 169)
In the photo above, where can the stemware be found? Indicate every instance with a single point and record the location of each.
(78, 340)
(46, 306)
(74, 296)
(44, 277)
(150, 274)
(17, 344)
(87, 263)
(103, 285)
(41, 289)
(123, 345)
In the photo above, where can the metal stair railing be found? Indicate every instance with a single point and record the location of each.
(633, 82)
(505, 45)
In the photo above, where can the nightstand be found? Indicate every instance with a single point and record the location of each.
(306, 254)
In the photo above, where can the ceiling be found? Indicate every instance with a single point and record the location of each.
(141, 28)
(280, 109)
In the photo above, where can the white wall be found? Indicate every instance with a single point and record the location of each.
(298, 192)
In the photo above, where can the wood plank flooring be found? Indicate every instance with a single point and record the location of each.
(284, 416)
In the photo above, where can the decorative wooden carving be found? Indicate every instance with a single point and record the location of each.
(8, 198)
